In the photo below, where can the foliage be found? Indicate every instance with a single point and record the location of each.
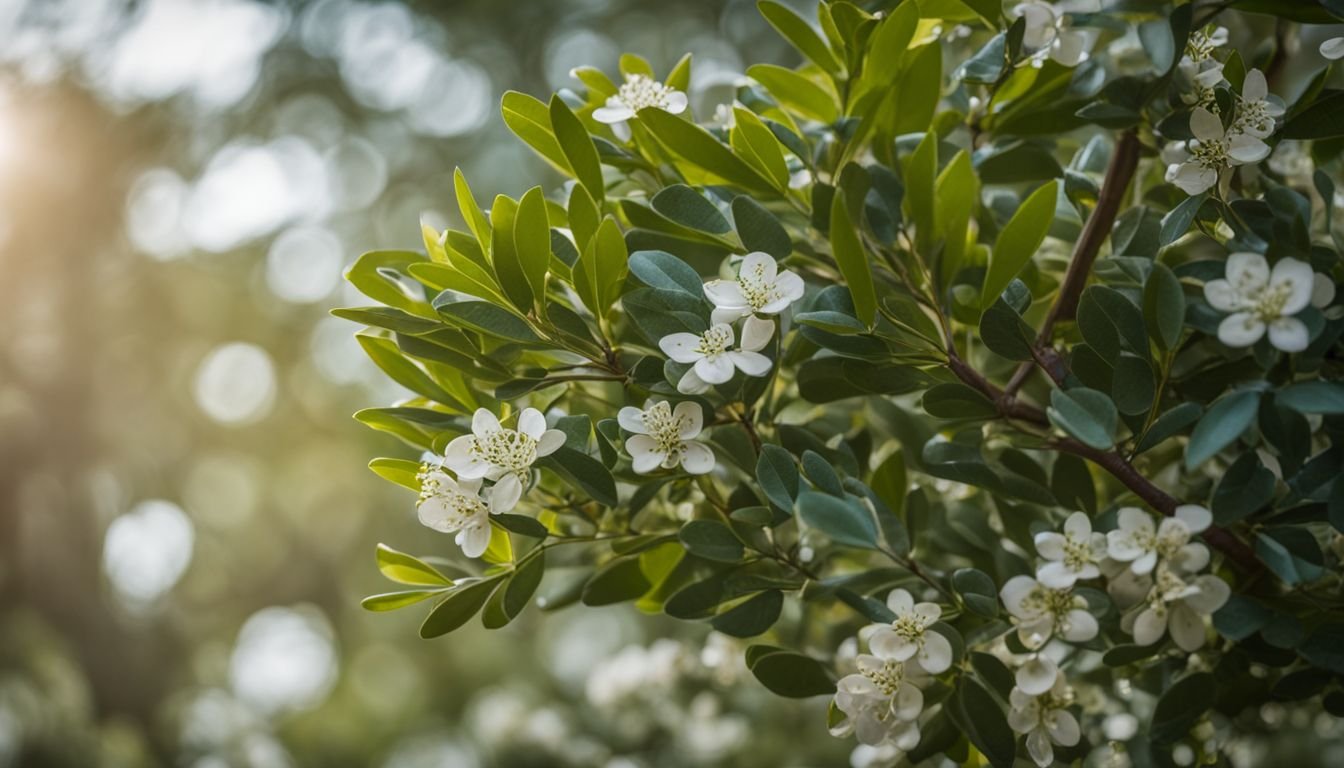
(1026, 357)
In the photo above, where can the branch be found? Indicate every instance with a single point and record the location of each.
(1010, 407)
(1124, 161)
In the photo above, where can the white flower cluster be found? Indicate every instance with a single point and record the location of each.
(1261, 300)
(882, 701)
(1045, 719)
(760, 289)
(1155, 576)
(1048, 33)
(1198, 164)
(663, 436)
(504, 456)
(636, 93)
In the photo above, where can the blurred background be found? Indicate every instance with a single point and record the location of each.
(186, 527)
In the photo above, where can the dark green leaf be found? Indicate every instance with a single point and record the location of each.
(778, 475)
(1223, 423)
(752, 617)
(790, 674)
(1085, 414)
(1181, 706)
(457, 608)
(711, 540)
(844, 521)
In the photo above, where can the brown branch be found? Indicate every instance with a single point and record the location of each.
(1010, 407)
(1120, 171)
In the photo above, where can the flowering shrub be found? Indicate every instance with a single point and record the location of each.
(1003, 354)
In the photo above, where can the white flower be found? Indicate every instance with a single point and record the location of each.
(714, 360)
(1041, 612)
(908, 637)
(881, 706)
(1322, 291)
(462, 507)
(1179, 606)
(1141, 544)
(1036, 674)
(1333, 48)
(1261, 299)
(663, 437)
(1044, 718)
(1204, 77)
(500, 454)
(1072, 555)
(1194, 166)
(759, 287)
(1202, 43)
(636, 93)
(1258, 108)
(1048, 34)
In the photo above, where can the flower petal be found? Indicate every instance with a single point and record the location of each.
(1080, 626)
(691, 384)
(1149, 627)
(1195, 517)
(681, 347)
(1297, 278)
(613, 112)
(484, 422)
(900, 602)
(1014, 593)
(692, 419)
(751, 363)
(758, 268)
(888, 645)
(1050, 545)
(474, 539)
(551, 441)
(698, 459)
(675, 102)
(1322, 291)
(531, 423)
(1078, 526)
(1056, 575)
(1187, 627)
(1254, 87)
(1241, 329)
(716, 370)
(1244, 148)
(460, 457)
(1222, 296)
(504, 495)
(1063, 727)
(936, 654)
(1213, 593)
(1205, 125)
(726, 294)
(1037, 675)
(756, 333)
(1333, 49)
(1289, 334)
(645, 455)
(631, 420)
(1038, 746)
(1247, 272)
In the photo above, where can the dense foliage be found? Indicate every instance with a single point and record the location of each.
(984, 367)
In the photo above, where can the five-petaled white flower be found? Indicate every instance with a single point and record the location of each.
(1195, 166)
(663, 437)
(1201, 69)
(1047, 32)
(462, 507)
(908, 635)
(1333, 49)
(636, 93)
(1044, 718)
(1177, 605)
(504, 455)
(1258, 108)
(760, 287)
(1260, 299)
(1041, 612)
(713, 357)
(880, 704)
(1142, 544)
(1071, 555)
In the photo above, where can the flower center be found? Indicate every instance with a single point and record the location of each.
(462, 507)
(1200, 46)
(1268, 306)
(1077, 553)
(910, 627)
(715, 341)
(1168, 546)
(1254, 114)
(755, 289)
(665, 428)
(640, 91)
(1211, 153)
(507, 449)
(888, 678)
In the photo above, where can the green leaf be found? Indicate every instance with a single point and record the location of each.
(1244, 488)
(752, 617)
(974, 710)
(368, 274)
(457, 608)
(956, 193)
(602, 268)
(1181, 706)
(689, 208)
(1324, 119)
(520, 587)
(800, 35)
(920, 172)
(1335, 506)
(1107, 319)
(852, 260)
(759, 146)
(1324, 397)
(616, 582)
(1240, 617)
(1164, 306)
(1169, 423)
(577, 147)
(711, 540)
(977, 590)
(844, 521)
(391, 601)
(1291, 553)
(1086, 415)
(400, 471)
(486, 318)
(521, 524)
(530, 120)
(778, 476)
(532, 240)
(660, 269)
(471, 212)
(796, 92)
(504, 255)
(387, 356)
(584, 473)
(1018, 241)
(759, 230)
(954, 400)
(699, 147)
(1177, 222)
(789, 674)
(1224, 422)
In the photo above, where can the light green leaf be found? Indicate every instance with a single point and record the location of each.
(532, 240)
(852, 260)
(391, 601)
(756, 143)
(800, 35)
(796, 92)
(400, 471)
(845, 521)
(407, 569)
(1018, 241)
(457, 608)
(698, 147)
(577, 147)
(921, 169)
(530, 120)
